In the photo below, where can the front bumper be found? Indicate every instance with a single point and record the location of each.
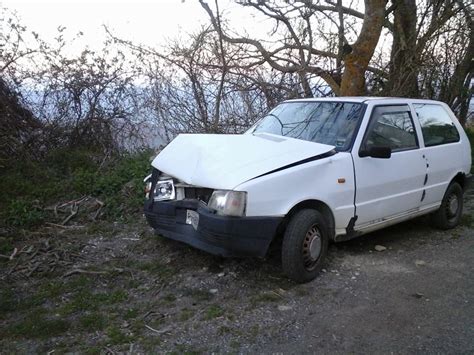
(218, 235)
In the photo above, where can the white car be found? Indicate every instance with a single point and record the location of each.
(311, 171)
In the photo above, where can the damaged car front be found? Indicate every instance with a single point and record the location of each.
(212, 220)
(193, 195)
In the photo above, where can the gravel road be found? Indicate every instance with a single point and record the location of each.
(415, 296)
(139, 293)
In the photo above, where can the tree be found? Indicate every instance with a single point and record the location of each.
(199, 84)
(338, 43)
(52, 99)
(457, 92)
(18, 126)
(296, 51)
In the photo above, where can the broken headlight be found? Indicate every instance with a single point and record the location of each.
(228, 203)
(164, 190)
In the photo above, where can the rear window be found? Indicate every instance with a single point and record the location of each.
(436, 125)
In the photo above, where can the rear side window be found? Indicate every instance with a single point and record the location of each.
(436, 125)
(391, 126)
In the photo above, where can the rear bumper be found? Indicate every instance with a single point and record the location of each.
(218, 235)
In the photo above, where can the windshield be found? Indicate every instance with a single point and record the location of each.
(332, 123)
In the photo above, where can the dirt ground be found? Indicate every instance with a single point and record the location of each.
(111, 288)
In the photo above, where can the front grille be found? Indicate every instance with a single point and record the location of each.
(198, 193)
(183, 190)
(190, 192)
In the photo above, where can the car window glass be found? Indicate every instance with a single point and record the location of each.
(389, 128)
(332, 123)
(436, 125)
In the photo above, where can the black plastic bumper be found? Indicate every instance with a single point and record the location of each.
(218, 235)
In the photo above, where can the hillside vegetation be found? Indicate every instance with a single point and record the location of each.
(31, 190)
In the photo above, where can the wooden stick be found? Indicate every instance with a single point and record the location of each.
(13, 254)
(162, 331)
(80, 271)
(61, 226)
(74, 209)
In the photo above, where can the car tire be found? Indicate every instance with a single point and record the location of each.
(449, 213)
(305, 245)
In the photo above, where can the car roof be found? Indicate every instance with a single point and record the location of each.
(361, 99)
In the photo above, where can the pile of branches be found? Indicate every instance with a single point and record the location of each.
(49, 253)
(66, 211)
(39, 257)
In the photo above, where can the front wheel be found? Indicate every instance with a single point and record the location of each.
(305, 245)
(449, 214)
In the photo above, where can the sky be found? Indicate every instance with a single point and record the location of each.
(148, 22)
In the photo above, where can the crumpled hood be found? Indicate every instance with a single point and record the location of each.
(224, 161)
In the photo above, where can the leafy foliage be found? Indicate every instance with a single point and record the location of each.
(29, 186)
(24, 213)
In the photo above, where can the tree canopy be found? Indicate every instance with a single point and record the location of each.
(220, 79)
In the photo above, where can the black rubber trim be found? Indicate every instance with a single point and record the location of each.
(304, 161)
(356, 130)
(350, 232)
(350, 226)
(324, 101)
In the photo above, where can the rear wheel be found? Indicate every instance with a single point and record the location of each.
(449, 214)
(305, 245)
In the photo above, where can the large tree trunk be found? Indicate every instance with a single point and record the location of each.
(357, 61)
(458, 92)
(403, 65)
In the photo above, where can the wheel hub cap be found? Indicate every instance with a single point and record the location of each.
(312, 246)
(315, 248)
(453, 205)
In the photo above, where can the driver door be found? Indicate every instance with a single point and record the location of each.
(387, 188)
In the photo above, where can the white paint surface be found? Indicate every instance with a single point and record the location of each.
(223, 161)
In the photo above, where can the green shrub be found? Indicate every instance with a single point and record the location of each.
(21, 213)
(82, 180)
(68, 174)
(65, 161)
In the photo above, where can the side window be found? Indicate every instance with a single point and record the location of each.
(436, 125)
(391, 126)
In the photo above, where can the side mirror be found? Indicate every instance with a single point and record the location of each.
(380, 152)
